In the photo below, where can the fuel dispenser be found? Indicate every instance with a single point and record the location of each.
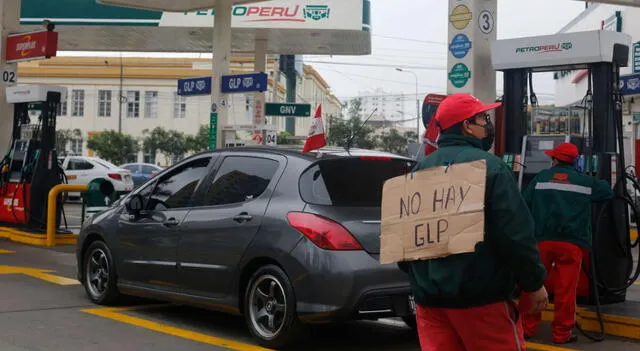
(30, 169)
(608, 271)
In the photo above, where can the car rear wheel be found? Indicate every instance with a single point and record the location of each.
(100, 275)
(269, 308)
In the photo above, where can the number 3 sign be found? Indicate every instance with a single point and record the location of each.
(486, 22)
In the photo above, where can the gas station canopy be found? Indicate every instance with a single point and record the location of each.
(170, 5)
(635, 3)
(292, 27)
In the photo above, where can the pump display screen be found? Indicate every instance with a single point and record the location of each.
(545, 145)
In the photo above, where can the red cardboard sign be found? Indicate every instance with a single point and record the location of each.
(31, 46)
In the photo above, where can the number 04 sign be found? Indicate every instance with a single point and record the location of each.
(9, 75)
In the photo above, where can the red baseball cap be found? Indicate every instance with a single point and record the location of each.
(565, 152)
(458, 107)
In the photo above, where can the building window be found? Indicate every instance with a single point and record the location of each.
(104, 103)
(77, 103)
(179, 106)
(133, 104)
(76, 147)
(62, 108)
(150, 104)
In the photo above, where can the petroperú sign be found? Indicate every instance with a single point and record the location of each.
(543, 49)
(291, 13)
(31, 46)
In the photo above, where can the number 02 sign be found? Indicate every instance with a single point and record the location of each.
(9, 76)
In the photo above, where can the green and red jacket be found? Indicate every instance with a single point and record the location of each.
(507, 257)
(560, 201)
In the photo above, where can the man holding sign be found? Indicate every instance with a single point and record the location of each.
(470, 243)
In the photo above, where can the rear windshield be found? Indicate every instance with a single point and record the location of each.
(349, 182)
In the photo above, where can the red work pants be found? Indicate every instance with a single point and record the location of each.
(494, 327)
(566, 259)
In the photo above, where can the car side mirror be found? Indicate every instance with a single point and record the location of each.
(134, 204)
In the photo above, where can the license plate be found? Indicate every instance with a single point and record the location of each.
(412, 304)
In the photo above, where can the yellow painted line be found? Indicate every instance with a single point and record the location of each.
(3, 251)
(55, 279)
(41, 274)
(112, 313)
(544, 347)
(36, 239)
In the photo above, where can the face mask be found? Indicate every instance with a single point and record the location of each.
(490, 135)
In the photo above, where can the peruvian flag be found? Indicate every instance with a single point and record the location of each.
(316, 138)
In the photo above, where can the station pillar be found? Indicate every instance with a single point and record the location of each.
(9, 23)
(472, 26)
(221, 60)
(259, 99)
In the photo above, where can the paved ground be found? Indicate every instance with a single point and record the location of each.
(72, 212)
(49, 311)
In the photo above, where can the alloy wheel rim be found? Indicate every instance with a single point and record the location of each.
(267, 306)
(97, 273)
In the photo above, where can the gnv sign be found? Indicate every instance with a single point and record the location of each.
(243, 83)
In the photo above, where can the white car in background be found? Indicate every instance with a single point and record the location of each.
(82, 170)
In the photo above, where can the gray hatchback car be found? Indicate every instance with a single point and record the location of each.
(280, 237)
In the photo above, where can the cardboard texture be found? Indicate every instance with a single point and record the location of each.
(433, 213)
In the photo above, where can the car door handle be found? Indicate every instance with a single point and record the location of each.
(243, 217)
(171, 222)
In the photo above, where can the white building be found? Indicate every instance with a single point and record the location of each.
(390, 107)
(571, 86)
(149, 87)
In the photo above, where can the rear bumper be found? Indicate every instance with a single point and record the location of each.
(332, 286)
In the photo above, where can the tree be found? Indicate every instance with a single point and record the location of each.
(152, 141)
(355, 108)
(115, 147)
(174, 147)
(199, 142)
(342, 131)
(282, 139)
(63, 137)
(394, 142)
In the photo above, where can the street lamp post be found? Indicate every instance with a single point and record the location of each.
(417, 102)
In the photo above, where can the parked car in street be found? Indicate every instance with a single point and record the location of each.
(82, 170)
(142, 172)
(280, 237)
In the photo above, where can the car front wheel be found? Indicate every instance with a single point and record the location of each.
(269, 308)
(100, 274)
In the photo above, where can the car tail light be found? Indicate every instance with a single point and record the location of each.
(115, 176)
(376, 158)
(323, 232)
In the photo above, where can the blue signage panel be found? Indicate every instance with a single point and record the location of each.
(194, 86)
(242, 83)
(630, 84)
(460, 46)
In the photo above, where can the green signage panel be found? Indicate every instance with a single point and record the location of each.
(636, 58)
(459, 75)
(213, 131)
(287, 110)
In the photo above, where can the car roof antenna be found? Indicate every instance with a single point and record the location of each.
(353, 136)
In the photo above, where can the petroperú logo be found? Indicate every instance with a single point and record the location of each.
(316, 12)
(542, 49)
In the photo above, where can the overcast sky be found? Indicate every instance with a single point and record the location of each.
(423, 23)
(414, 33)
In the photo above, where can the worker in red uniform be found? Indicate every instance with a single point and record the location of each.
(465, 301)
(560, 200)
